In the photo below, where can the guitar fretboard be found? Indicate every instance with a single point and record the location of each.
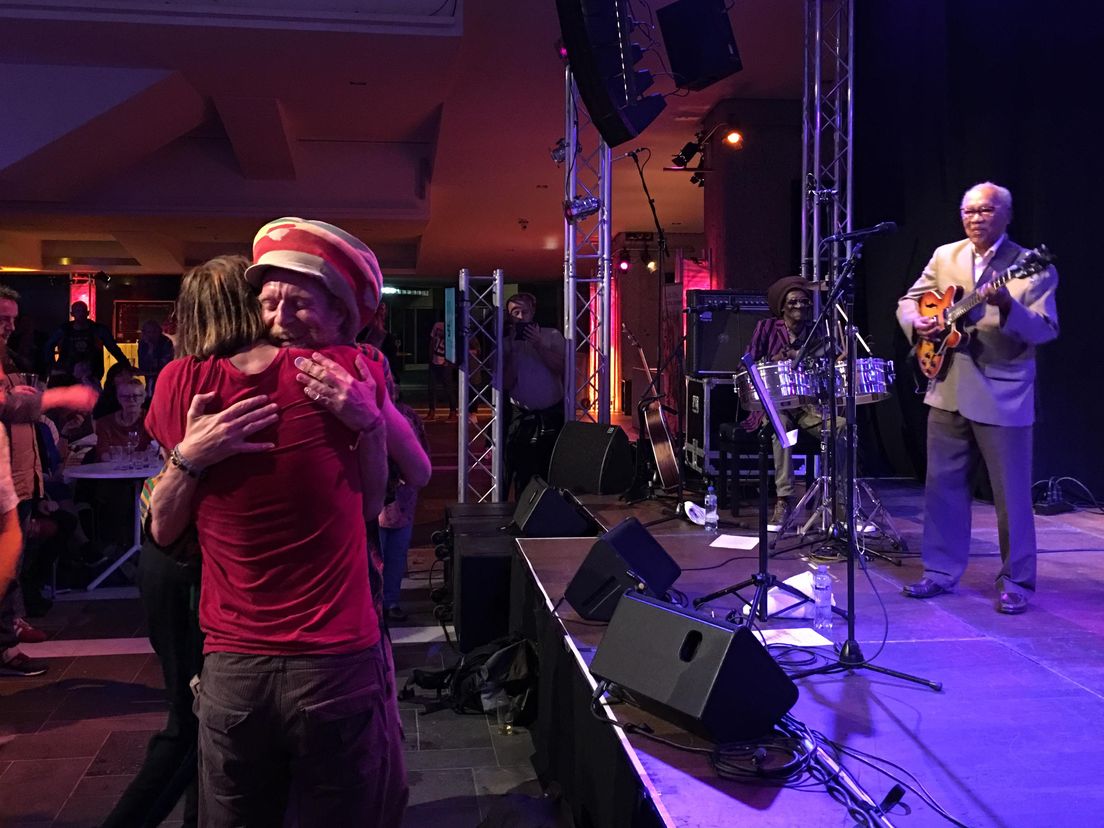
(1035, 261)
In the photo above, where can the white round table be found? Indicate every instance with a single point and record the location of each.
(113, 471)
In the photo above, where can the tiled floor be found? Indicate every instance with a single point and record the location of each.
(71, 740)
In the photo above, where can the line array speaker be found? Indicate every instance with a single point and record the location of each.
(596, 36)
(701, 48)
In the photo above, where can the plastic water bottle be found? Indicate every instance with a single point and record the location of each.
(822, 599)
(710, 510)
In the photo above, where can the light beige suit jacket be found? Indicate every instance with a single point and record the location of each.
(991, 380)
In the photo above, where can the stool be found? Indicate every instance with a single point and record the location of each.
(742, 443)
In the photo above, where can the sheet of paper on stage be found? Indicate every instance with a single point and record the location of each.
(797, 636)
(735, 542)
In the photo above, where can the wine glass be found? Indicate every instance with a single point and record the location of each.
(130, 458)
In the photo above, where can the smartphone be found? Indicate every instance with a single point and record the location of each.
(519, 330)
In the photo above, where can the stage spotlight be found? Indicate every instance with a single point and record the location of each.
(731, 137)
(624, 260)
(581, 207)
(686, 154)
(698, 178)
(649, 260)
(559, 152)
(734, 138)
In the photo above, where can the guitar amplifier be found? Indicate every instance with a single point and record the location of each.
(719, 329)
(710, 401)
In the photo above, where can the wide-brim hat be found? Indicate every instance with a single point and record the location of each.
(776, 293)
(346, 266)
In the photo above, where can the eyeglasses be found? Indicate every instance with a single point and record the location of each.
(978, 211)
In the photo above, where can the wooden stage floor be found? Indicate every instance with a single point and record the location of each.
(1013, 739)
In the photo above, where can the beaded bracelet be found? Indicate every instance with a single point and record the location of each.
(179, 461)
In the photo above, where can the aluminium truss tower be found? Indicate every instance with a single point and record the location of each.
(480, 474)
(826, 140)
(587, 288)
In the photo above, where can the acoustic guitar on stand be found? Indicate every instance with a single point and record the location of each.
(655, 427)
(949, 306)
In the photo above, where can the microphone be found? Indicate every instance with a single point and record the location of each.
(876, 230)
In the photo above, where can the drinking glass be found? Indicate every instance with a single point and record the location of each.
(130, 459)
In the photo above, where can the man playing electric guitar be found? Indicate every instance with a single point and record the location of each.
(983, 405)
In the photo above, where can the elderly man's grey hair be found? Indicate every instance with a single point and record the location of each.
(1001, 195)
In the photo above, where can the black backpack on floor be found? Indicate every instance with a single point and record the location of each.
(502, 672)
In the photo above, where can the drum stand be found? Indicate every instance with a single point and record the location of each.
(873, 524)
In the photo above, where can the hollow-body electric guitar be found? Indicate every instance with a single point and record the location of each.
(950, 308)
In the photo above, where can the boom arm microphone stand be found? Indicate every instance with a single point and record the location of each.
(850, 656)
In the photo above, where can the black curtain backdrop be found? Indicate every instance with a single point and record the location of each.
(950, 93)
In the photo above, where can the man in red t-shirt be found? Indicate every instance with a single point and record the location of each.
(295, 703)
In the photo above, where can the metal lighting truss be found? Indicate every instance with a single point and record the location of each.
(826, 140)
(587, 317)
(480, 473)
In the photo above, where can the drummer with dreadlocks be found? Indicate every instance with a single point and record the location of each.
(773, 341)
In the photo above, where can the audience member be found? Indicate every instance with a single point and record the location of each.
(378, 336)
(108, 403)
(27, 346)
(82, 341)
(396, 522)
(285, 585)
(442, 373)
(20, 407)
(155, 351)
(533, 365)
(123, 430)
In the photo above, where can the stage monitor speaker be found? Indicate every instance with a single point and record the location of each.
(718, 336)
(701, 48)
(481, 589)
(622, 559)
(591, 458)
(603, 59)
(542, 512)
(705, 675)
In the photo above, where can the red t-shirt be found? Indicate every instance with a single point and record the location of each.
(285, 563)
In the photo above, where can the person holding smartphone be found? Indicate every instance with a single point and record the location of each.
(533, 367)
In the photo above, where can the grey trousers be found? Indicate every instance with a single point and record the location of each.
(808, 419)
(954, 446)
(299, 740)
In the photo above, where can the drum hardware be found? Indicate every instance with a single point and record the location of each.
(811, 382)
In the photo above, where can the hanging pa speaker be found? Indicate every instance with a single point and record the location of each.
(705, 675)
(591, 458)
(603, 63)
(542, 512)
(623, 559)
(701, 48)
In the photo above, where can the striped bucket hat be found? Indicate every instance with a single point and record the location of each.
(346, 266)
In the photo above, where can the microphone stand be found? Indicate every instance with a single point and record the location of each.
(763, 580)
(850, 656)
(661, 259)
